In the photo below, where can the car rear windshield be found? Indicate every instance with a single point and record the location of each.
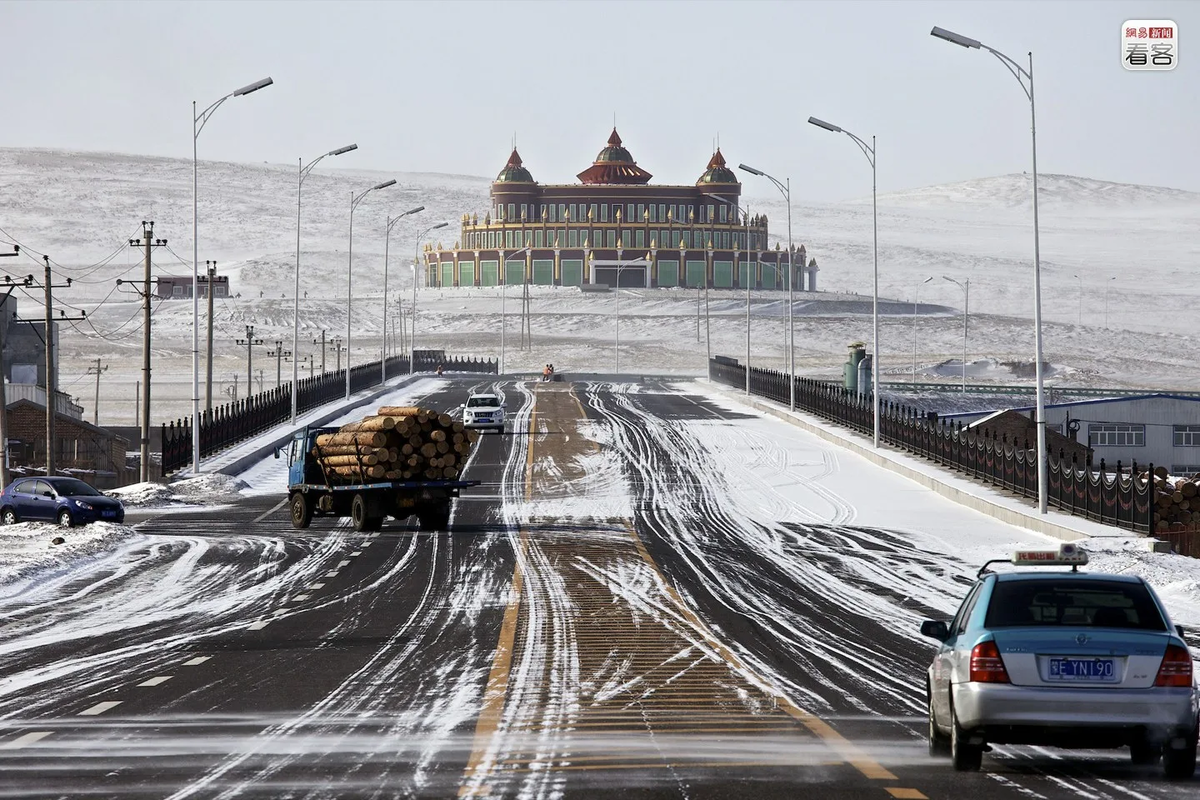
(70, 488)
(1049, 602)
(482, 402)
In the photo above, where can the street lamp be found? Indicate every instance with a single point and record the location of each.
(749, 275)
(966, 312)
(387, 234)
(1107, 283)
(1022, 75)
(355, 199)
(620, 266)
(1078, 278)
(412, 340)
(916, 297)
(198, 123)
(504, 259)
(304, 170)
(869, 152)
(786, 190)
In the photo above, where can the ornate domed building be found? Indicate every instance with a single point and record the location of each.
(615, 228)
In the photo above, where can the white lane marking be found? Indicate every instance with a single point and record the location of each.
(275, 508)
(28, 738)
(300, 597)
(194, 662)
(157, 680)
(316, 586)
(257, 626)
(357, 552)
(331, 574)
(100, 708)
(343, 563)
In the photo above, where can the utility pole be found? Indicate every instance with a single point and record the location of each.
(51, 384)
(97, 371)
(527, 316)
(278, 354)
(211, 270)
(8, 290)
(148, 242)
(250, 343)
(337, 348)
(232, 391)
(137, 402)
(260, 381)
(321, 342)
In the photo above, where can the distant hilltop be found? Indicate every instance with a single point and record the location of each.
(1015, 191)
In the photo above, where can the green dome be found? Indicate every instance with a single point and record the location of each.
(717, 172)
(513, 172)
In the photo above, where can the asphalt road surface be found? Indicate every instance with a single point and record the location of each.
(598, 623)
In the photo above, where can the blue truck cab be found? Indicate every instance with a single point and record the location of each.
(314, 491)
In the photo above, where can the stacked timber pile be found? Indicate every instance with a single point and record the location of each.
(400, 443)
(1176, 502)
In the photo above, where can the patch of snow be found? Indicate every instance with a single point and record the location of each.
(26, 550)
(209, 489)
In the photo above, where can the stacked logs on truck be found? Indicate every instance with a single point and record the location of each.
(1176, 502)
(399, 443)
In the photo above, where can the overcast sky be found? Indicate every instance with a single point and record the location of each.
(444, 86)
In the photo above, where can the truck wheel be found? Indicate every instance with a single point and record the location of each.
(302, 511)
(358, 513)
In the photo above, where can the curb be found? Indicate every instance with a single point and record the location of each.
(1021, 519)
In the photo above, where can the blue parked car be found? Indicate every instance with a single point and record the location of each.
(67, 501)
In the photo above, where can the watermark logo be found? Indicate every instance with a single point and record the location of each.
(1149, 44)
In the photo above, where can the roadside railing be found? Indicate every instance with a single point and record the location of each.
(239, 420)
(1123, 497)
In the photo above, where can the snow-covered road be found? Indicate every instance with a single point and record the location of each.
(655, 592)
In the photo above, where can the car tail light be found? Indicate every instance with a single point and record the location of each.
(986, 665)
(1176, 669)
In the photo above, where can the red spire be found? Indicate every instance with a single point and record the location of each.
(717, 160)
(615, 139)
(514, 160)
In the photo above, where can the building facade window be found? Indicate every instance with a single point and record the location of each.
(1185, 469)
(640, 239)
(538, 239)
(524, 211)
(592, 212)
(512, 211)
(604, 212)
(1187, 435)
(1115, 435)
(612, 238)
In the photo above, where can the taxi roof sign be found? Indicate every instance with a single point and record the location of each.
(1067, 555)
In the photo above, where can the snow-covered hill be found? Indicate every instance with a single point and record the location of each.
(1118, 270)
(1065, 192)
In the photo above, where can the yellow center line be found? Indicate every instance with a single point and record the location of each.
(492, 710)
(855, 757)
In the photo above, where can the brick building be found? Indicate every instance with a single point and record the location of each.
(96, 455)
(615, 227)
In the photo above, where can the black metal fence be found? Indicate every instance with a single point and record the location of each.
(1123, 497)
(237, 421)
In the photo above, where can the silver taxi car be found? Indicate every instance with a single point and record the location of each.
(1063, 659)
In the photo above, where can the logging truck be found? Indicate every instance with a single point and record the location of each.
(315, 488)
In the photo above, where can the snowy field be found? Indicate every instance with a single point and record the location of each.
(1118, 286)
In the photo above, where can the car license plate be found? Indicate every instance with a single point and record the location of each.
(1083, 669)
(109, 513)
(483, 419)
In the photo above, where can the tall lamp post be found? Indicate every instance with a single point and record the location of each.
(387, 234)
(916, 297)
(198, 123)
(412, 340)
(1107, 284)
(1080, 279)
(355, 199)
(966, 287)
(504, 259)
(1025, 78)
(304, 170)
(869, 152)
(786, 190)
(749, 274)
(621, 264)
